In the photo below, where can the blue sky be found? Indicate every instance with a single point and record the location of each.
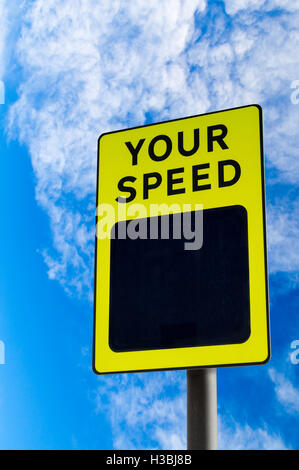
(72, 70)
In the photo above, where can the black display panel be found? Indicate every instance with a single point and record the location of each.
(163, 296)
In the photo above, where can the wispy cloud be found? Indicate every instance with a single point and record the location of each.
(234, 6)
(283, 236)
(286, 393)
(3, 37)
(140, 415)
(89, 67)
(233, 436)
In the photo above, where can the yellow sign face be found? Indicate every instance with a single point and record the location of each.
(180, 263)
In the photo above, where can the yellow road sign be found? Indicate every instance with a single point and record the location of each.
(180, 263)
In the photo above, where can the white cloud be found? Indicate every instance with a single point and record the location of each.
(286, 393)
(233, 436)
(283, 236)
(3, 37)
(234, 6)
(90, 67)
(140, 415)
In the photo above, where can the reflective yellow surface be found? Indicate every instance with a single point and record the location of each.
(243, 144)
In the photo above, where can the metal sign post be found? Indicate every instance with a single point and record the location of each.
(202, 409)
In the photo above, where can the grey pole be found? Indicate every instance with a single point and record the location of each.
(202, 409)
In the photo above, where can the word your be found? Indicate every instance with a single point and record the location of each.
(159, 221)
(160, 148)
(2, 353)
(295, 94)
(295, 354)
